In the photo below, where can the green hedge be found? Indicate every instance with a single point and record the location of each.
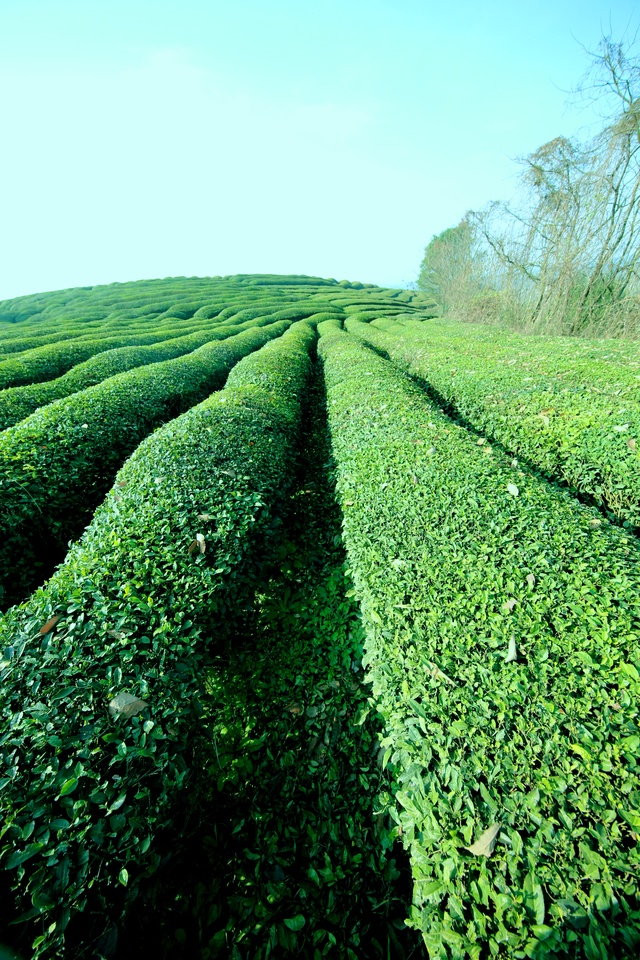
(567, 410)
(16, 403)
(56, 465)
(135, 609)
(503, 645)
(54, 359)
(128, 332)
(19, 343)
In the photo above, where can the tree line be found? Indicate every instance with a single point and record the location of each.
(565, 256)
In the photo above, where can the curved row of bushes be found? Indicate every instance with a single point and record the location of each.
(103, 667)
(19, 343)
(578, 421)
(503, 646)
(148, 329)
(16, 403)
(54, 359)
(119, 307)
(56, 465)
(599, 365)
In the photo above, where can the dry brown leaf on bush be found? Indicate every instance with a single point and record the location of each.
(126, 705)
(49, 625)
(483, 847)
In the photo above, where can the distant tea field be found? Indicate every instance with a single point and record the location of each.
(320, 629)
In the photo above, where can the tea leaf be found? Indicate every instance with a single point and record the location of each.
(484, 845)
(126, 705)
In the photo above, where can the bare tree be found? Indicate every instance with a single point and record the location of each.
(568, 257)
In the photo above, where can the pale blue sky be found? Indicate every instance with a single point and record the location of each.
(147, 138)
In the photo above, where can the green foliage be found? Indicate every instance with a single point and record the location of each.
(502, 626)
(16, 403)
(570, 410)
(54, 359)
(451, 271)
(56, 465)
(289, 849)
(102, 672)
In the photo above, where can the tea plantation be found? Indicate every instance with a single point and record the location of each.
(320, 630)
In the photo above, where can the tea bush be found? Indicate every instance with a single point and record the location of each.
(16, 403)
(103, 667)
(575, 417)
(503, 648)
(54, 359)
(56, 465)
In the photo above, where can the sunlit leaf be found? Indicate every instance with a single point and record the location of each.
(484, 845)
(68, 786)
(126, 705)
(534, 898)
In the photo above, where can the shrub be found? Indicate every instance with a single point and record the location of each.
(102, 669)
(503, 648)
(568, 410)
(56, 465)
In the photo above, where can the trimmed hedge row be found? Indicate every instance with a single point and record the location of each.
(151, 329)
(103, 667)
(16, 403)
(54, 359)
(56, 465)
(155, 296)
(603, 365)
(503, 645)
(575, 418)
(20, 343)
